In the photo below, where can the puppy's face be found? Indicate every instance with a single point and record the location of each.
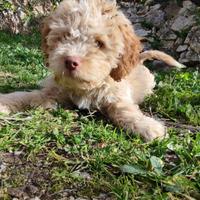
(85, 42)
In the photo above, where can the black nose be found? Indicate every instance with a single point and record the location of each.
(72, 63)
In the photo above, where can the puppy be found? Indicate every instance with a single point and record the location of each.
(96, 63)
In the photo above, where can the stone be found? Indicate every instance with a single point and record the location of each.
(187, 9)
(193, 39)
(146, 46)
(179, 42)
(169, 35)
(171, 10)
(140, 31)
(148, 2)
(155, 17)
(133, 17)
(141, 9)
(165, 33)
(155, 7)
(189, 5)
(189, 57)
(168, 44)
(193, 56)
(182, 23)
(182, 48)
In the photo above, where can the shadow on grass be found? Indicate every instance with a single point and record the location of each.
(29, 40)
(4, 89)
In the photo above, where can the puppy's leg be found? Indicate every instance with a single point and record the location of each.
(131, 118)
(142, 82)
(18, 101)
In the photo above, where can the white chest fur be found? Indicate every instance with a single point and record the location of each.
(101, 96)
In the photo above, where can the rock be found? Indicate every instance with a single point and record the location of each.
(189, 57)
(179, 42)
(165, 33)
(146, 46)
(155, 7)
(188, 5)
(193, 56)
(148, 2)
(133, 17)
(168, 44)
(139, 30)
(171, 10)
(182, 23)
(182, 48)
(142, 32)
(187, 9)
(155, 17)
(193, 39)
(141, 9)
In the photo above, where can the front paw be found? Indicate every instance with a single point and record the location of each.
(152, 129)
(4, 109)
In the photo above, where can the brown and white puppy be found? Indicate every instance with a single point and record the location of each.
(96, 63)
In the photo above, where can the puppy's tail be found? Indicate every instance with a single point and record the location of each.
(159, 55)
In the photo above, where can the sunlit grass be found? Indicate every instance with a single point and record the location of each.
(62, 153)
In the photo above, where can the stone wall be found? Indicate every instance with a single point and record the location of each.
(22, 16)
(171, 25)
(168, 25)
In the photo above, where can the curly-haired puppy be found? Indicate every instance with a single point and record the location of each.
(96, 63)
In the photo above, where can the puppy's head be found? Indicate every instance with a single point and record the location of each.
(85, 41)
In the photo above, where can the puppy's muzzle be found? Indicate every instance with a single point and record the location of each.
(72, 63)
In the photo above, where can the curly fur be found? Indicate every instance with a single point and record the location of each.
(111, 78)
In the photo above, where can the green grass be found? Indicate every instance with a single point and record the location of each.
(177, 96)
(58, 154)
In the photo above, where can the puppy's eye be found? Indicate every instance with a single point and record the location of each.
(100, 44)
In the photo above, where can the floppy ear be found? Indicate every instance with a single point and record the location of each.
(44, 33)
(130, 57)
